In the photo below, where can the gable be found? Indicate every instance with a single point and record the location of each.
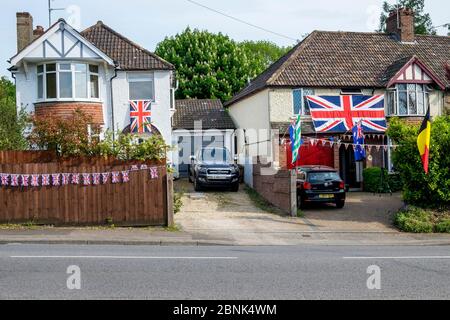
(414, 71)
(61, 41)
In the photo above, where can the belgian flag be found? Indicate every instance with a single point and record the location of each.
(424, 140)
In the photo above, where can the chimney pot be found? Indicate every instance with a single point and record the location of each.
(39, 31)
(24, 29)
(401, 23)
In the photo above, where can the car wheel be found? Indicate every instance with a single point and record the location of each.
(340, 204)
(190, 177)
(197, 186)
(235, 187)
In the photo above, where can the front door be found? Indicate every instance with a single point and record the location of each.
(348, 167)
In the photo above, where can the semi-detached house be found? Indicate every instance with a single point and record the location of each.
(408, 70)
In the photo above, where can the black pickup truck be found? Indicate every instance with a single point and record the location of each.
(214, 167)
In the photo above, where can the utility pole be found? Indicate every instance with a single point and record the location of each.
(50, 10)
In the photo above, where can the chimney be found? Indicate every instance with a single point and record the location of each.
(401, 23)
(24, 29)
(39, 31)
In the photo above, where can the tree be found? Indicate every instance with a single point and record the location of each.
(422, 20)
(264, 53)
(12, 123)
(213, 65)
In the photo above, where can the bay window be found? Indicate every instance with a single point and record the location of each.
(67, 81)
(408, 100)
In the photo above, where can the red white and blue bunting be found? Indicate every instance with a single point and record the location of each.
(64, 179)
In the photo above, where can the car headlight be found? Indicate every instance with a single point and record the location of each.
(202, 170)
(235, 169)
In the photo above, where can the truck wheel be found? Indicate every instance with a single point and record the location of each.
(235, 187)
(197, 186)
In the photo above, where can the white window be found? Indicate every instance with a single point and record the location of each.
(67, 81)
(301, 106)
(408, 100)
(141, 86)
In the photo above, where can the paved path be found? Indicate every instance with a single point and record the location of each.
(299, 272)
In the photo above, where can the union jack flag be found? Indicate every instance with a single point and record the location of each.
(55, 179)
(87, 179)
(25, 178)
(65, 179)
(115, 177)
(154, 173)
(5, 179)
(35, 180)
(96, 179)
(45, 179)
(141, 116)
(339, 114)
(105, 177)
(75, 178)
(15, 180)
(126, 176)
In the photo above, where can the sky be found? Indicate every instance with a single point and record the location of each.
(148, 22)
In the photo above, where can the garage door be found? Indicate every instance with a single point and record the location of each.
(186, 148)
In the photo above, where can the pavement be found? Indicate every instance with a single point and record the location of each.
(227, 273)
(223, 218)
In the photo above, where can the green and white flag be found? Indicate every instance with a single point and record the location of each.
(296, 138)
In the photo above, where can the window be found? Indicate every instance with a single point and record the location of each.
(301, 105)
(141, 86)
(408, 100)
(67, 81)
(351, 92)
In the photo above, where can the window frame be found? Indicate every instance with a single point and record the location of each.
(133, 77)
(302, 93)
(73, 77)
(426, 90)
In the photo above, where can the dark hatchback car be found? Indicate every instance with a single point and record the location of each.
(214, 167)
(320, 184)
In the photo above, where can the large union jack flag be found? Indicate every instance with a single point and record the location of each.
(338, 114)
(140, 116)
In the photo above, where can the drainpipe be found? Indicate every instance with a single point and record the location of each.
(116, 65)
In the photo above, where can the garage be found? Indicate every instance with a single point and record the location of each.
(198, 124)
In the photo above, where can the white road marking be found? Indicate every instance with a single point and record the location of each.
(124, 257)
(398, 258)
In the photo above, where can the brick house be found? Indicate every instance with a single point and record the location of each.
(97, 70)
(408, 69)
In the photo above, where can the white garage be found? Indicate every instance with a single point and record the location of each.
(196, 124)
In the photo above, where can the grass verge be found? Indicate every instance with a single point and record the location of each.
(260, 202)
(419, 220)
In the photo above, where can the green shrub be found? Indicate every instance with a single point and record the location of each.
(373, 180)
(443, 226)
(177, 202)
(395, 182)
(414, 220)
(432, 190)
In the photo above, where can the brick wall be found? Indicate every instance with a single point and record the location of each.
(275, 187)
(66, 109)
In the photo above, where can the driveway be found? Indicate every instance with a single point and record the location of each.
(228, 216)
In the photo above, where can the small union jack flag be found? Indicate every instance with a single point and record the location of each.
(115, 177)
(45, 179)
(154, 173)
(141, 116)
(75, 178)
(14, 180)
(35, 180)
(144, 167)
(96, 179)
(55, 179)
(126, 176)
(5, 179)
(105, 177)
(25, 179)
(134, 168)
(87, 179)
(65, 179)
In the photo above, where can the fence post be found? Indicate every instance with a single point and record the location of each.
(293, 190)
(170, 214)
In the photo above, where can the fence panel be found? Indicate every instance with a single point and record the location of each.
(141, 201)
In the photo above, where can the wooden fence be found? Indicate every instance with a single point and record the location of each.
(141, 201)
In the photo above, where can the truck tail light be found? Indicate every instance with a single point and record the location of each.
(307, 186)
(342, 185)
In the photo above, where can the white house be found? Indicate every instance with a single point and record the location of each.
(97, 70)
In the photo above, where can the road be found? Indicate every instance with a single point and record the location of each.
(150, 272)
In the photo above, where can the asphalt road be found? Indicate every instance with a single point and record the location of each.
(196, 273)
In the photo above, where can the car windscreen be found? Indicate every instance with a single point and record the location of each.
(319, 177)
(215, 155)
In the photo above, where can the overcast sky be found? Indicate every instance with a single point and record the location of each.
(147, 22)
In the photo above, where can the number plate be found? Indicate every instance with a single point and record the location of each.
(217, 177)
(326, 196)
